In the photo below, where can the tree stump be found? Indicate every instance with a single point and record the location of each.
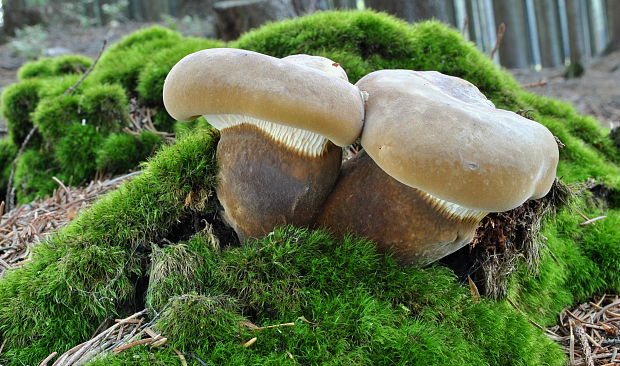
(238, 16)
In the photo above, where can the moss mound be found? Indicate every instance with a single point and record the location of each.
(18, 101)
(47, 67)
(127, 79)
(156, 240)
(89, 270)
(349, 305)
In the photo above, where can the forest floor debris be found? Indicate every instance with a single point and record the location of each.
(590, 333)
(26, 225)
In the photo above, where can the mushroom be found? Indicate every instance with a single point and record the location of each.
(438, 156)
(280, 121)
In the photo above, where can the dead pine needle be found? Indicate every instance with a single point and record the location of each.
(181, 357)
(2, 346)
(250, 342)
(120, 349)
(23, 227)
(276, 326)
(474, 290)
(588, 222)
(588, 333)
(48, 359)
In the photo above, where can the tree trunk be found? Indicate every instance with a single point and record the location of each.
(413, 11)
(578, 50)
(194, 8)
(17, 14)
(345, 4)
(549, 33)
(238, 16)
(303, 7)
(514, 49)
(613, 22)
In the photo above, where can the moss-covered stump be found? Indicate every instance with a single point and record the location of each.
(158, 241)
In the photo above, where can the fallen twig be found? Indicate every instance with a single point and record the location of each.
(535, 85)
(73, 87)
(465, 24)
(498, 40)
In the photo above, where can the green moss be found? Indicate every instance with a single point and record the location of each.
(75, 153)
(201, 321)
(570, 273)
(163, 121)
(18, 101)
(47, 67)
(89, 269)
(152, 75)
(54, 114)
(350, 306)
(8, 152)
(122, 63)
(121, 152)
(33, 175)
(184, 128)
(105, 106)
(57, 85)
(143, 36)
(176, 270)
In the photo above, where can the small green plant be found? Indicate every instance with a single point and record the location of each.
(29, 42)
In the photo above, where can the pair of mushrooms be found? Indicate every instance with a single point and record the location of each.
(438, 156)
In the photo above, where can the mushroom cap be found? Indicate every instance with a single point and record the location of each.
(240, 82)
(439, 134)
(319, 63)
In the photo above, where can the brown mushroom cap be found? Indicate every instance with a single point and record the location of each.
(226, 81)
(439, 134)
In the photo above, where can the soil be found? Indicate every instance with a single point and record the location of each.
(596, 92)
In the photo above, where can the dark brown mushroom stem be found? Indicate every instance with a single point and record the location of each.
(266, 184)
(417, 227)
